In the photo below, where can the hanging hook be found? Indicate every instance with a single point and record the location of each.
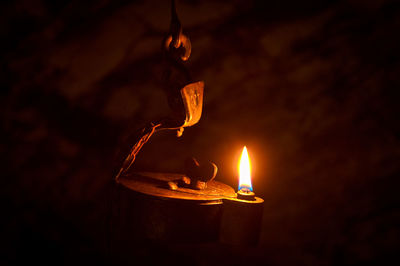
(176, 40)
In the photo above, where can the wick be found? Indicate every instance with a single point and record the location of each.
(246, 194)
(245, 190)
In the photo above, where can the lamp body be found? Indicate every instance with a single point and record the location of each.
(145, 210)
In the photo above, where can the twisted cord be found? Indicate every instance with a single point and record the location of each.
(136, 148)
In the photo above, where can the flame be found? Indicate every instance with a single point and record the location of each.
(245, 171)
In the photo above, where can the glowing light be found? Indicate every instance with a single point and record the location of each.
(245, 171)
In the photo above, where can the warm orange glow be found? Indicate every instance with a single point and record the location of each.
(245, 171)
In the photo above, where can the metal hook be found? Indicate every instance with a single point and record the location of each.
(176, 39)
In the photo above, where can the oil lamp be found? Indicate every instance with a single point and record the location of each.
(180, 207)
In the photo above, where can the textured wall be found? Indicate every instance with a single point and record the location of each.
(310, 88)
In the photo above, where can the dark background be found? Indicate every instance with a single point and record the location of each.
(310, 87)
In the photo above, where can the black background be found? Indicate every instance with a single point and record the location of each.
(310, 87)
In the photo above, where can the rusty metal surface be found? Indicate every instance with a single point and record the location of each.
(156, 184)
(137, 218)
(192, 96)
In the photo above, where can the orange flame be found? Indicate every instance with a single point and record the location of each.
(245, 171)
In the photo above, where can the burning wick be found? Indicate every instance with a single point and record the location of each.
(245, 190)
